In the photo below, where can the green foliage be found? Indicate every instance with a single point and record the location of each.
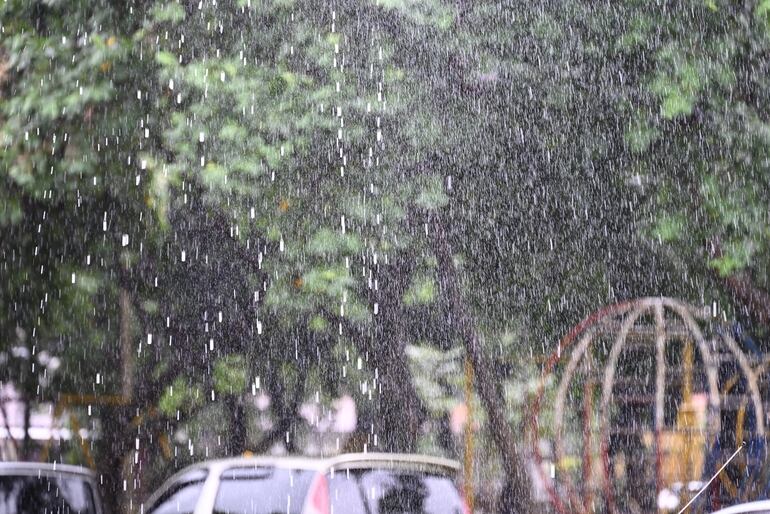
(709, 166)
(425, 13)
(433, 195)
(179, 396)
(63, 74)
(640, 136)
(168, 12)
(669, 228)
(318, 324)
(678, 92)
(327, 243)
(438, 376)
(762, 13)
(422, 291)
(332, 281)
(230, 375)
(638, 34)
(302, 164)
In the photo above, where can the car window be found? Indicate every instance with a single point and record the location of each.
(406, 492)
(182, 494)
(33, 495)
(345, 493)
(262, 490)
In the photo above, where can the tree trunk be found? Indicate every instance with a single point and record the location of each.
(126, 348)
(111, 448)
(237, 425)
(400, 411)
(285, 409)
(7, 425)
(119, 435)
(517, 489)
(754, 300)
(26, 445)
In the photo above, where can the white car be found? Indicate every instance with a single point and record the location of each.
(36, 487)
(370, 483)
(759, 507)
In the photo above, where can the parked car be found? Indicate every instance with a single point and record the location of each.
(35, 488)
(759, 507)
(368, 483)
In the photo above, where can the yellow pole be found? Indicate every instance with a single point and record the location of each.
(468, 457)
(689, 359)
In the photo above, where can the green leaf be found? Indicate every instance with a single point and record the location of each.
(318, 324)
(233, 132)
(432, 196)
(678, 90)
(422, 12)
(230, 375)
(329, 281)
(326, 242)
(171, 12)
(763, 10)
(638, 35)
(87, 283)
(640, 135)
(150, 306)
(421, 291)
(281, 83)
(676, 104)
(179, 396)
(214, 176)
(10, 212)
(166, 59)
(669, 228)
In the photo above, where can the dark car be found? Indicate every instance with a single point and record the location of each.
(35, 488)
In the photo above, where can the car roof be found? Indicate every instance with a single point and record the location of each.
(35, 468)
(359, 459)
(759, 506)
(216, 467)
(396, 459)
(347, 460)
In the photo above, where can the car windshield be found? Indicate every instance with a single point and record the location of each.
(182, 495)
(45, 494)
(262, 490)
(387, 491)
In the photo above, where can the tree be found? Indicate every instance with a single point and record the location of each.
(74, 198)
(213, 196)
(697, 132)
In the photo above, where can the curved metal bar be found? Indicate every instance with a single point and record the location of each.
(660, 389)
(609, 379)
(708, 360)
(751, 378)
(596, 316)
(561, 393)
(630, 312)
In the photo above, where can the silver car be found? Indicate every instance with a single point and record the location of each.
(759, 507)
(34, 488)
(371, 483)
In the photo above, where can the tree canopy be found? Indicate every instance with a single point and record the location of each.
(203, 199)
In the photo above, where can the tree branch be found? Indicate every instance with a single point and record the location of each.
(756, 301)
(517, 490)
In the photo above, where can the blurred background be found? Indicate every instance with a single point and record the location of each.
(313, 227)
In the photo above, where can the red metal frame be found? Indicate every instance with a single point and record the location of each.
(534, 410)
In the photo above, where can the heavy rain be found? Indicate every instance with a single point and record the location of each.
(384, 256)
